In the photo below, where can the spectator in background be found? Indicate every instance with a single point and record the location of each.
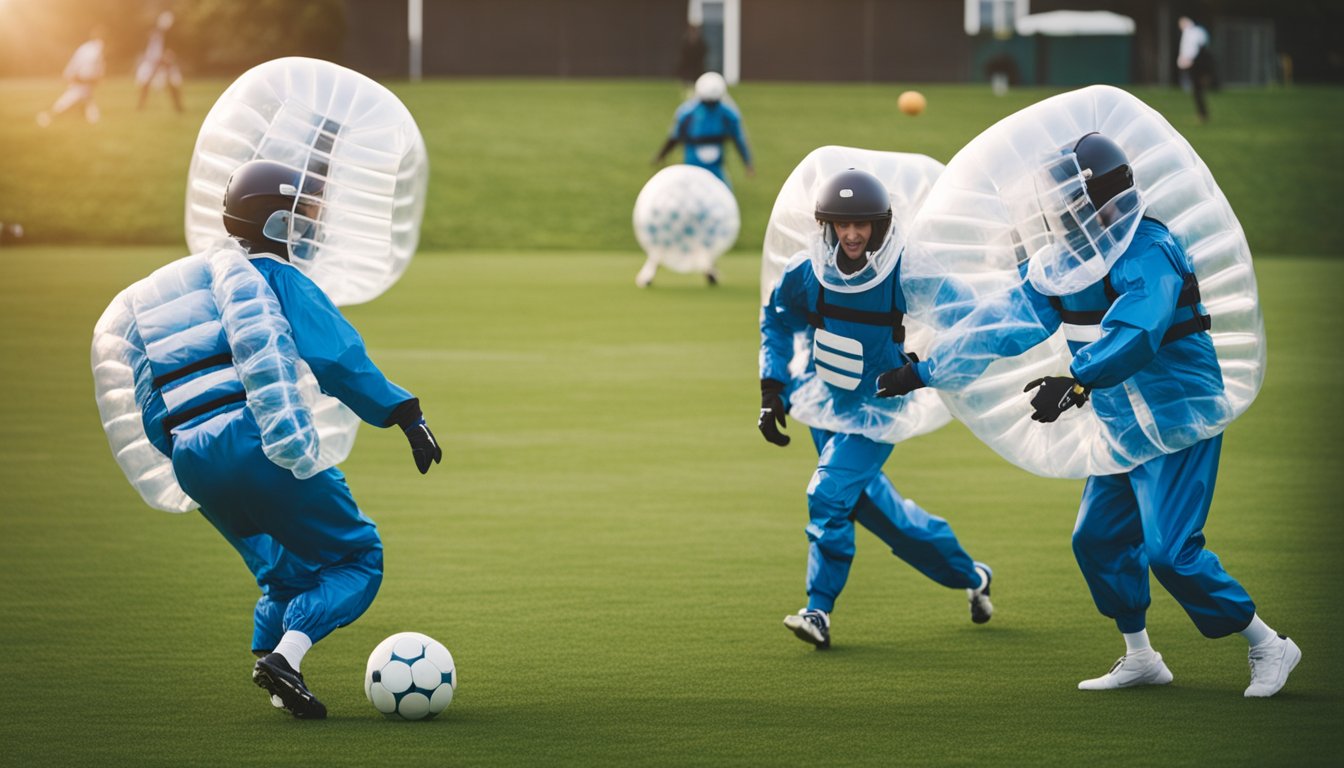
(692, 58)
(81, 75)
(1195, 63)
(158, 64)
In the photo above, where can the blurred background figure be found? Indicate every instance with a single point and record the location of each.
(703, 123)
(691, 58)
(158, 65)
(1195, 63)
(81, 75)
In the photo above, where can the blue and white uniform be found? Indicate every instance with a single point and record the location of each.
(1138, 341)
(855, 336)
(316, 557)
(702, 128)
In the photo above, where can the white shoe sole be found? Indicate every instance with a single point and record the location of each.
(1291, 657)
(1108, 682)
(804, 631)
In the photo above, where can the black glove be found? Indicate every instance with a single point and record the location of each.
(1057, 394)
(424, 448)
(899, 381)
(772, 412)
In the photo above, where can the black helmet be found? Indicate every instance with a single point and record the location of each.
(257, 190)
(1105, 168)
(856, 196)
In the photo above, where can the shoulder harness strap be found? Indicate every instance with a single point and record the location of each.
(894, 319)
(1188, 297)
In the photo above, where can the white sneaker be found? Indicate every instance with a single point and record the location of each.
(981, 607)
(1270, 664)
(1138, 668)
(811, 627)
(645, 277)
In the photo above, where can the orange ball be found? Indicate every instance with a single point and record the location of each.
(911, 102)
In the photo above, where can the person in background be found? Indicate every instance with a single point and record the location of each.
(1195, 63)
(158, 64)
(82, 73)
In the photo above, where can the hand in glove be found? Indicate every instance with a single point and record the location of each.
(772, 412)
(1056, 395)
(424, 448)
(899, 381)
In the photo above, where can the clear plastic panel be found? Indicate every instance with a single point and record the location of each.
(970, 236)
(345, 131)
(685, 218)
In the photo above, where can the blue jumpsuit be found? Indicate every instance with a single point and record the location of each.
(316, 557)
(849, 485)
(1153, 516)
(702, 128)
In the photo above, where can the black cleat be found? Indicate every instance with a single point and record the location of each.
(273, 674)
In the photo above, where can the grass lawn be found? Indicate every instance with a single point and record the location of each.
(609, 546)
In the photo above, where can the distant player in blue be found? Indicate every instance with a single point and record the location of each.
(1142, 355)
(847, 297)
(317, 558)
(703, 123)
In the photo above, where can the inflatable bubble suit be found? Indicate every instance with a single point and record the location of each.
(977, 227)
(349, 134)
(686, 218)
(792, 230)
(302, 429)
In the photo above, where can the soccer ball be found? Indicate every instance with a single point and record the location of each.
(911, 102)
(410, 675)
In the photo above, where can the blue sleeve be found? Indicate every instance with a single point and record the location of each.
(679, 118)
(333, 349)
(740, 138)
(978, 331)
(1133, 327)
(782, 318)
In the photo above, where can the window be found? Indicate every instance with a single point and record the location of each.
(993, 16)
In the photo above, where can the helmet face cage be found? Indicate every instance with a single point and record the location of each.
(854, 196)
(1072, 242)
(276, 206)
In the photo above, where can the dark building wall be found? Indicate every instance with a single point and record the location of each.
(808, 40)
(865, 40)
(575, 38)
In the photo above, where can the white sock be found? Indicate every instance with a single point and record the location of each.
(1137, 641)
(1258, 632)
(984, 578)
(293, 646)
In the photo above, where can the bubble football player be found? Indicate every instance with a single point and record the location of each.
(317, 558)
(1142, 356)
(848, 294)
(81, 74)
(703, 123)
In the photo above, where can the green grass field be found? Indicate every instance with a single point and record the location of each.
(609, 546)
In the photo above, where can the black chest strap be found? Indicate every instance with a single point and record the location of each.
(892, 319)
(1188, 298)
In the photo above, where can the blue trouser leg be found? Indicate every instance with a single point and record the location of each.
(1174, 494)
(849, 485)
(1108, 545)
(316, 557)
(923, 540)
(846, 464)
(1154, 518)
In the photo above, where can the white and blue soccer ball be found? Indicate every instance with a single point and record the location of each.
(410, 675)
